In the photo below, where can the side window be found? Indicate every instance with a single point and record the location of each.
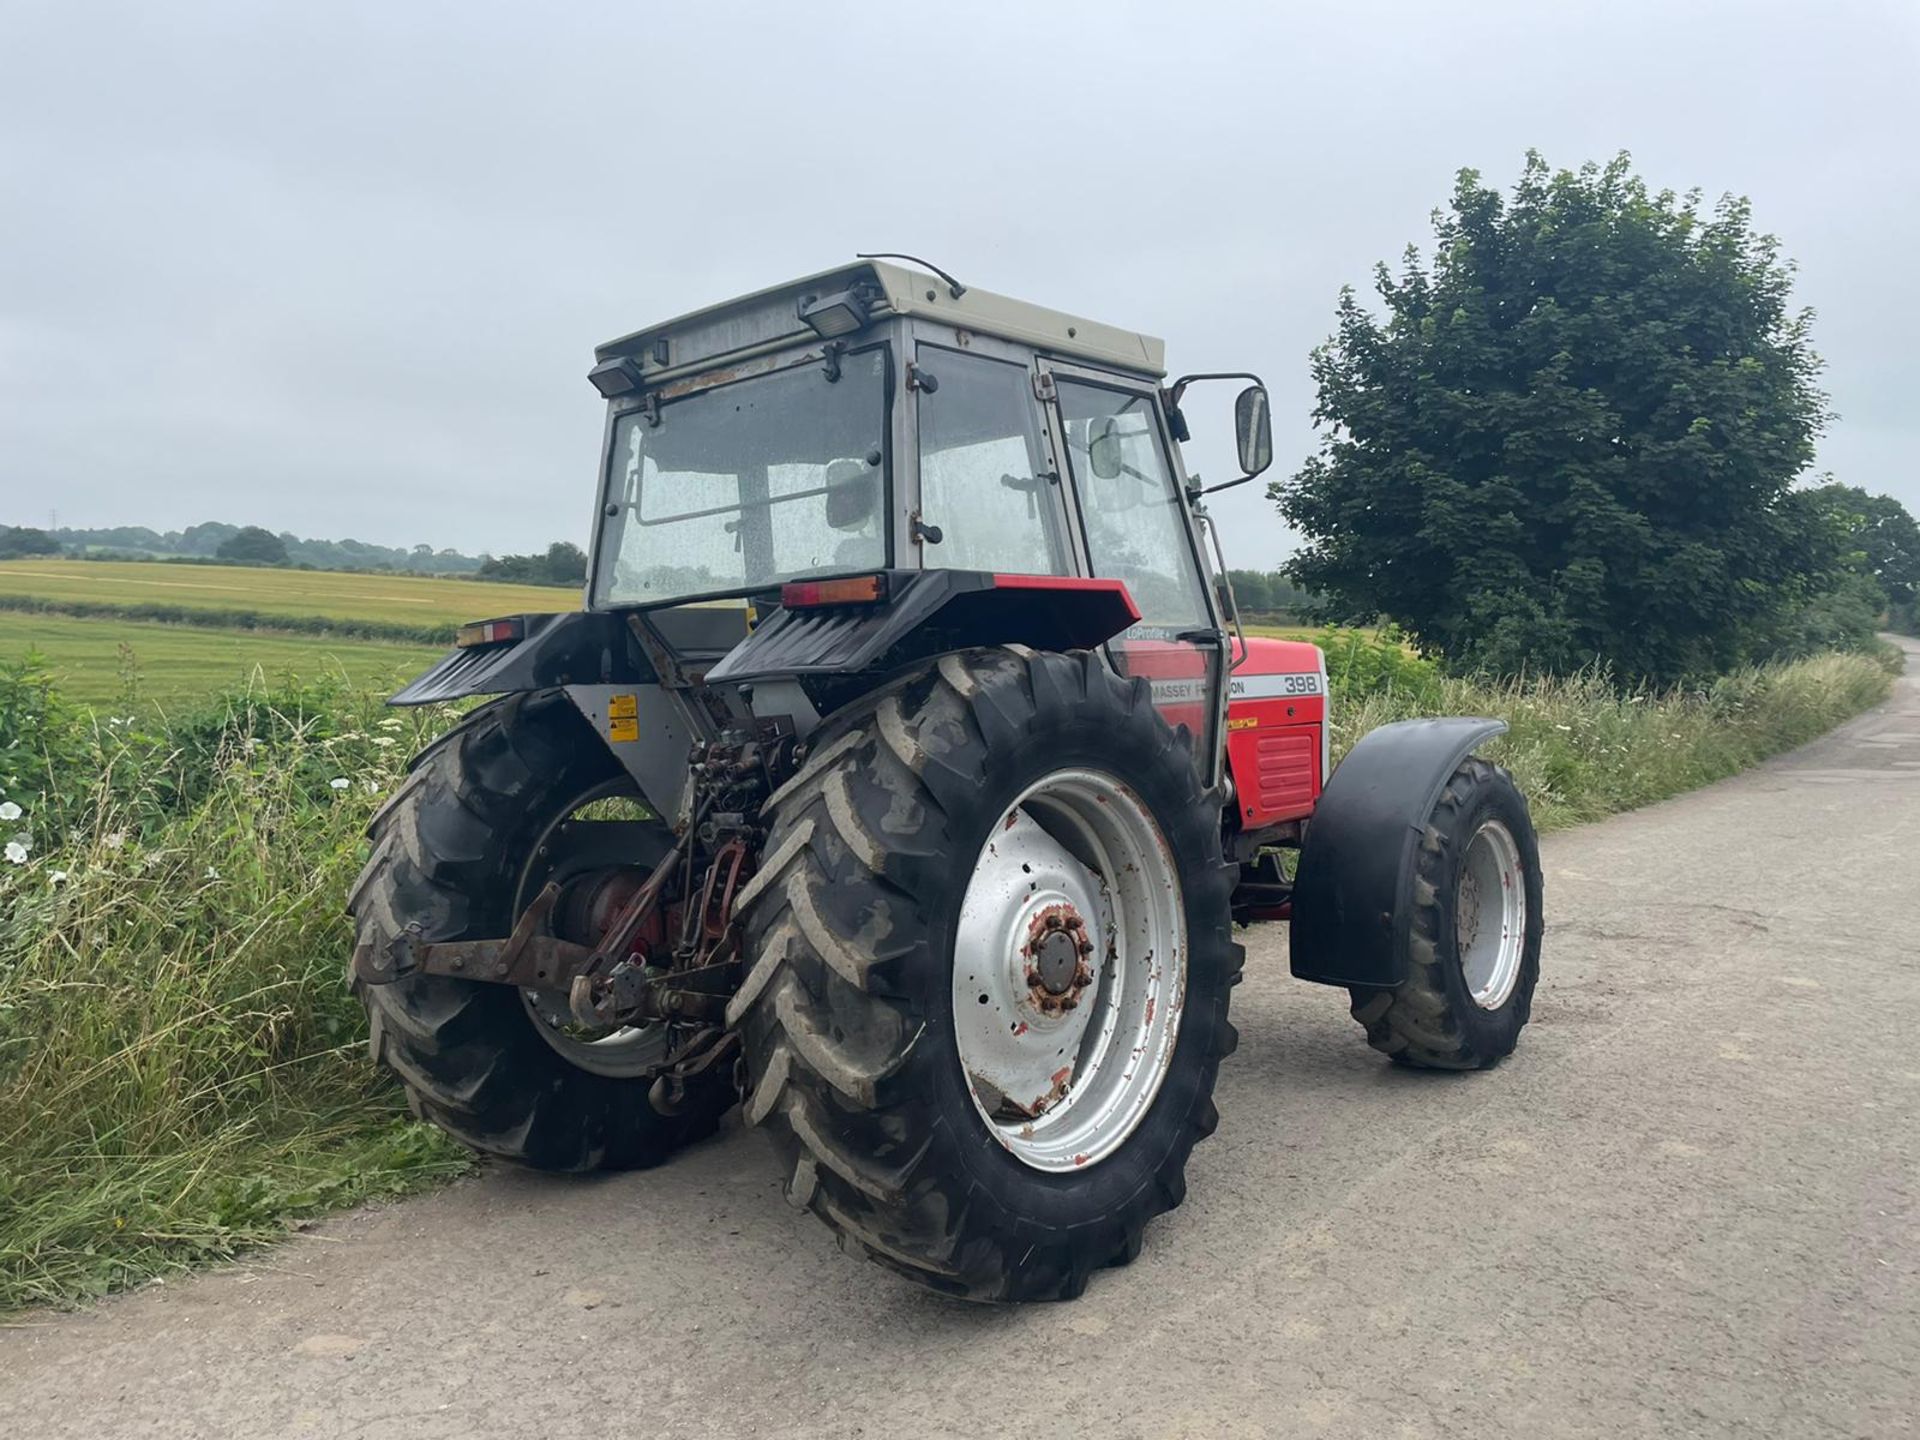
(983, 469)
(1135, 529)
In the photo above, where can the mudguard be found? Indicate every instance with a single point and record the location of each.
(578, 647)
(931, 612)
(1352, 894)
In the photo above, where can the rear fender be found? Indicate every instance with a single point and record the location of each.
(1353, 892)
(585, 647)
(931, 612)
(594, 659)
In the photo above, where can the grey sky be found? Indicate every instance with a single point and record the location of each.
(338, 269)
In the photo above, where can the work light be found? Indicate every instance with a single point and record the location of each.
(619, 376)
(832, 316)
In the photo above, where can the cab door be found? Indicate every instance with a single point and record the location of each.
(1128, 497)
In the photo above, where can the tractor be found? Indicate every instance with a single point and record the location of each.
(905, 779)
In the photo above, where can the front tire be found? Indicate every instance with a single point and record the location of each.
(874, 1006)
(1474, 945)
(457, 851)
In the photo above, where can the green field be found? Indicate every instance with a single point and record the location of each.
(175, 664)
(295, 594)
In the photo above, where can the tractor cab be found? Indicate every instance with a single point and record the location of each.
(881, 420)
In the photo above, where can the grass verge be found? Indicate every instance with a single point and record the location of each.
(1582, 748)
(182, 1071)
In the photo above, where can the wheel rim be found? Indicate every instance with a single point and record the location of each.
(1069, 970)
(568, 846)
(1490, 915)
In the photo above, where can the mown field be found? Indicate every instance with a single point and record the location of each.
(172, 635)
(291, 594)
(104, 662)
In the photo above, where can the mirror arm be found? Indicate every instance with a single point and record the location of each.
(1179, 386)
(1229, 484)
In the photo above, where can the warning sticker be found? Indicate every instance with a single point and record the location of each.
(623, 727)
(623, 707)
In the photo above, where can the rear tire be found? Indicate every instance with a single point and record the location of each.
(1474, 945)
(848, 1014)
(450, 851)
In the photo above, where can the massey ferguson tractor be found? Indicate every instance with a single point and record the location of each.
(905, 779)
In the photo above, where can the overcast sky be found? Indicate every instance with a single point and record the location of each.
(339, 268)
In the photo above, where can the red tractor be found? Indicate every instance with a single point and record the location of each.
(904, 779)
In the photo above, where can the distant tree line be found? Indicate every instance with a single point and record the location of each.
(214, 542)
(564, 563)
(203, 542)
(1270, 593)
(19, 541)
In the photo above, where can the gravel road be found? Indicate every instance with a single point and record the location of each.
(1687, 1206)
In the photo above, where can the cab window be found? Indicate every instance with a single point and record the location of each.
(1129, 504)
(985, 481)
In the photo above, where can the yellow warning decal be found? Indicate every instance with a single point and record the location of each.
(623, 707)
(1242, 722)
(623, 728)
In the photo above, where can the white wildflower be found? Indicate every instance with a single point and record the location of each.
(114, 839)
(212, 874)
(57, 877)
(340, 782)
(373, 786)
(17, 852)
(392, 722)
(1563, 727)
(10, 811)
(383, 741)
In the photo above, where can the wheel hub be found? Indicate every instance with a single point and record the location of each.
(1057, 956)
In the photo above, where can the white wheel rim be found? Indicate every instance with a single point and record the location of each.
(1074, 898)
(1490, 915)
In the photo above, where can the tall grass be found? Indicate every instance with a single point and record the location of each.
(1581, 747)
(181, 1067)
(182, 1070)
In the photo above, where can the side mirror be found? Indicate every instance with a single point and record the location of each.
(1106, 455)
(853, 494)
(1253, 428)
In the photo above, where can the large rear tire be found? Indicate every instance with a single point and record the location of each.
(1474, 945)
(457, 851)
(876, 1018)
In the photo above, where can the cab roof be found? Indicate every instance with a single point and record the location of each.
(770, 318)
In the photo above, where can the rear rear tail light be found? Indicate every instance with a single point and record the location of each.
(809, 594)
(490, 632)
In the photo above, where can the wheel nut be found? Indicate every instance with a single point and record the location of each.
(1086, 947)
(1069, 1003)
(1033, 976)
(1053, 922)
(1074, 922)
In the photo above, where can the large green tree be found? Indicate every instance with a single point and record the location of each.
(1571, 435)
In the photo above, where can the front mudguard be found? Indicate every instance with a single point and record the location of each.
(1353, 892)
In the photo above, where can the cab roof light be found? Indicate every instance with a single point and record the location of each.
(491, 632)
(616, 377)
(842, 313)
(811, 594)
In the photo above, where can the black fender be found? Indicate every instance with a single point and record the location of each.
(922, 613)
(1352, 893)
(578, 647)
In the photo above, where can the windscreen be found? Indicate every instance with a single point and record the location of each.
(748, 484)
